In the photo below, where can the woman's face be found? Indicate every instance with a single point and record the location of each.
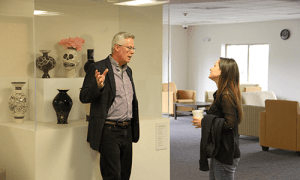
(215, 71)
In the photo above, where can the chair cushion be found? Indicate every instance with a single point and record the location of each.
(263, 95)
(185, 94)
(209, 96)
(184, 100)
(252, 89)
(250, 98)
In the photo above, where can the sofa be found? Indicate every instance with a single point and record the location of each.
(279, 125)
(243, 88)
(175, 96)
(252, 104)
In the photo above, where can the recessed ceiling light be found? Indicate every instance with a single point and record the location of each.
(209, 8)
(46, 13)
(141, 3)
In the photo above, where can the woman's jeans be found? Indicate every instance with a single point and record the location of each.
(220, 171)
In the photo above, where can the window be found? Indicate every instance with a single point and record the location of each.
(252, 61)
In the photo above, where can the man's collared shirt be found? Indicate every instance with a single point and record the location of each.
(121, 109)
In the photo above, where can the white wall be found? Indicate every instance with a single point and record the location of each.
(179, 57)
(166, 54)
(284, 64)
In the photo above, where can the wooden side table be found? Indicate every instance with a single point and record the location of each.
(195, 105)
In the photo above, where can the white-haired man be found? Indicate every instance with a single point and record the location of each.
(114, 119)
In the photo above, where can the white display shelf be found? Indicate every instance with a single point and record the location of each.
(40, 126)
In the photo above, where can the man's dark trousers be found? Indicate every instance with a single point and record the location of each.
(116, 152)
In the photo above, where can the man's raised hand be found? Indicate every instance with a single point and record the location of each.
(100, 78)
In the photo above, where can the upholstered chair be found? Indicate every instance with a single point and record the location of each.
(252, 104)
(279, 125)
(176, 96)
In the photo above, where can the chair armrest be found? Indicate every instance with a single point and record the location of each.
(298, 132)
(186, 94)
(175, 97)
(262, 128)
(166, 104)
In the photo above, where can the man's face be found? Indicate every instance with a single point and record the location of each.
(126, 51)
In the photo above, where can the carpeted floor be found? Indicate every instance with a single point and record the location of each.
(254, 164)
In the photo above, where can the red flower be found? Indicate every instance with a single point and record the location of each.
(76, 43)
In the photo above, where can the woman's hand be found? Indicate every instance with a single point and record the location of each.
(197, 122)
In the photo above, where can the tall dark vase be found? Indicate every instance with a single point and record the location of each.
(62, 104)
(90, 57)
(45, 63)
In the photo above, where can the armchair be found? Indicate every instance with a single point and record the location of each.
(279, 125)
(252, 104)
(176, 96)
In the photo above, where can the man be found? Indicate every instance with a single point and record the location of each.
(114, 120)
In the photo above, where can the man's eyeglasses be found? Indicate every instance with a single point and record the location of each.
(129, 48)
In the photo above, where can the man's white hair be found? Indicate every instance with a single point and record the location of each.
(118, 38)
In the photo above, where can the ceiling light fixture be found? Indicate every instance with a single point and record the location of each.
(46, 13)
(142, 3)
(209, 8)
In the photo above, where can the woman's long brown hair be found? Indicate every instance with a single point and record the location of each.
(229, 83)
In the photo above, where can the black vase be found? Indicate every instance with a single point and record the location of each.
(90, 57)
(45, 63)
(62, 104)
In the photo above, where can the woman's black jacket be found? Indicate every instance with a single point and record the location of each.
(226, 144)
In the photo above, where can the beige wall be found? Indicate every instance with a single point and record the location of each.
(16, 47)
(95, 22)
(146, 24)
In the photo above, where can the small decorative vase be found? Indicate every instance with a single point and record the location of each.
(70, 62)
(62, 104)
(45, 63)
(90, 57)
(18, 103)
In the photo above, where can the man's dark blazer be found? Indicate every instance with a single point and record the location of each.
(101, 100)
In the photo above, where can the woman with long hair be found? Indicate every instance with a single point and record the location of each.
(219, 134)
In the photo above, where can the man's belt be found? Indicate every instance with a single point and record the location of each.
(122, 124)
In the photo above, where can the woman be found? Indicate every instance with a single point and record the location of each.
(226, 109)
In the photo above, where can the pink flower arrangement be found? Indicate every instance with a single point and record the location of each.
(75, 43)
